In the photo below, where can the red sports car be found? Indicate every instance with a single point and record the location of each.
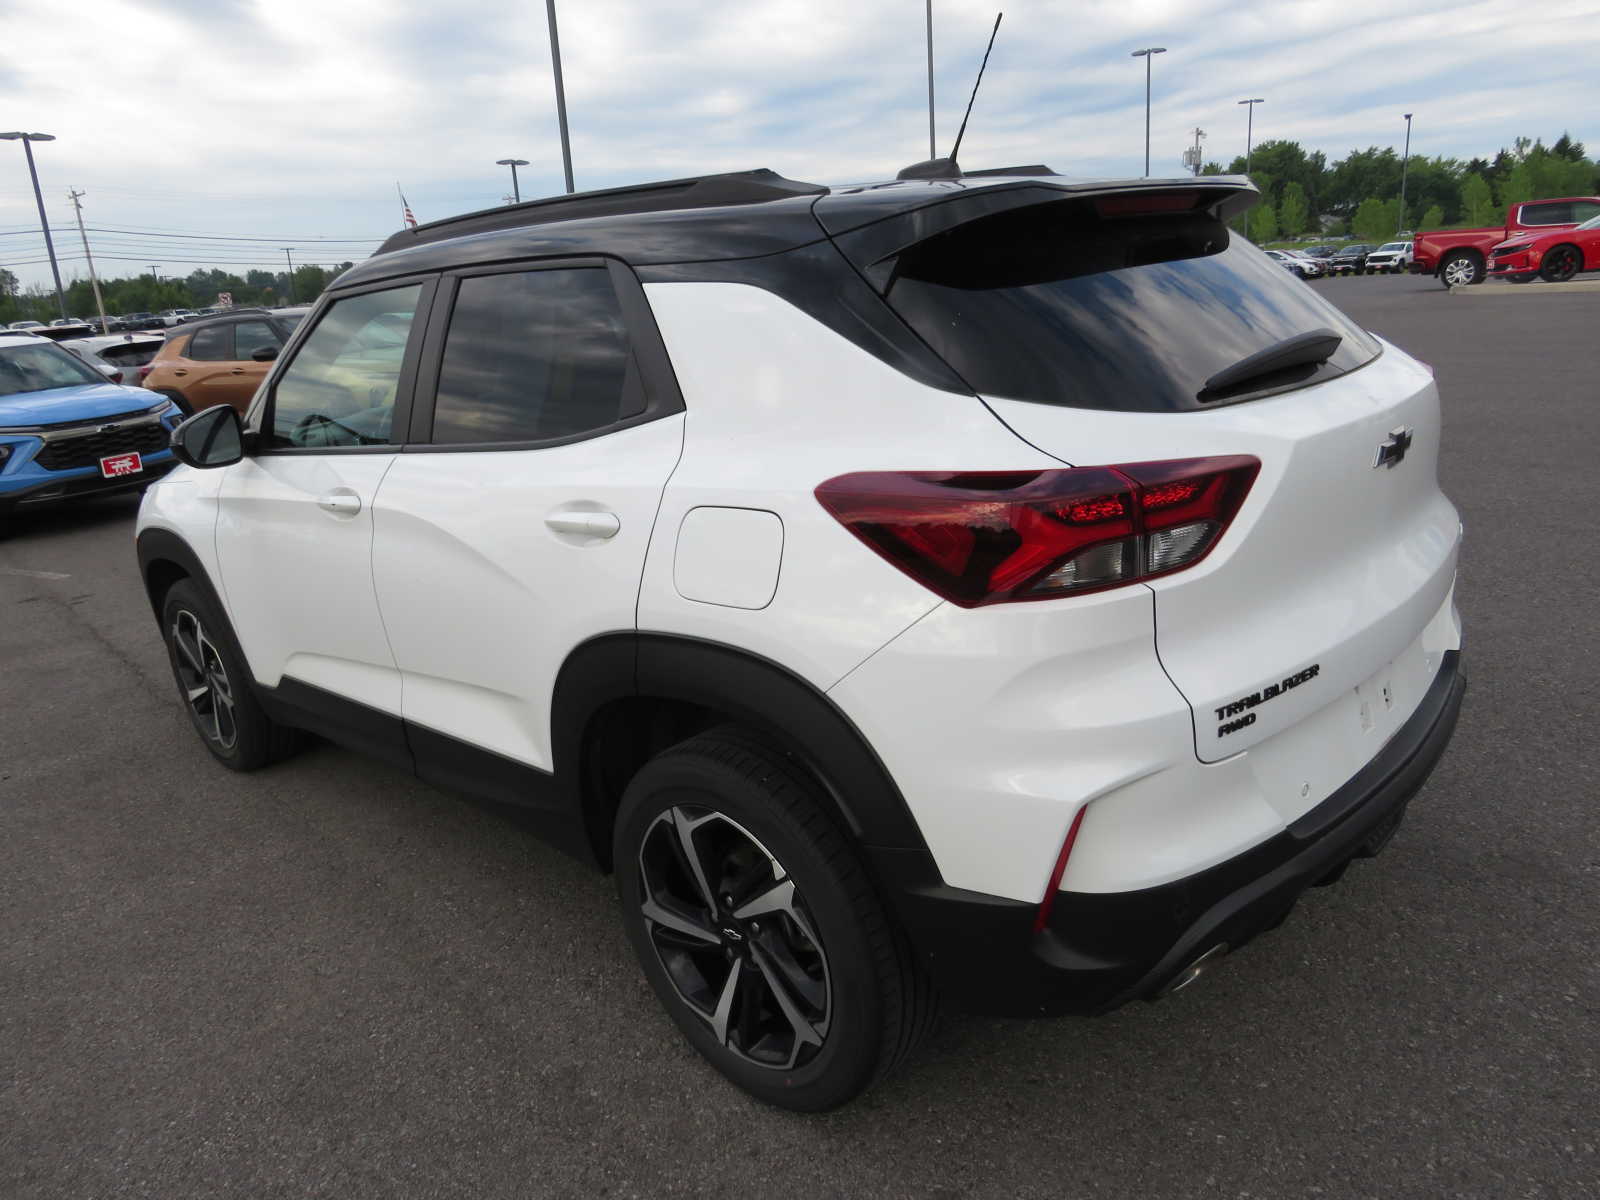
(1556, 256)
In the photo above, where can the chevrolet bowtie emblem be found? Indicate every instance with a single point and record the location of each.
(1392, 451)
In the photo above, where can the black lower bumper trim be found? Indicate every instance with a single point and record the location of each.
(1101, 950)
(81, 486)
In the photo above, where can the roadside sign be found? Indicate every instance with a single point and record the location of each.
(225, 299)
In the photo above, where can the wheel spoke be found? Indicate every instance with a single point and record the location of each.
(197, 693)
(190, 655)
(777, 898)
(804, 1032)
(661, 915)
(685, 828)
(782, 958)
(719, 1019)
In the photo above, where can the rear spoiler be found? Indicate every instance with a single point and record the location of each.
(872, 245)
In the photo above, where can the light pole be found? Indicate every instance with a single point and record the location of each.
(290, 261)
(561, 92)
(1147, 54)
(1249, 129)
(27, 140)
(932, 153)
(1405, 161)
(513, 163)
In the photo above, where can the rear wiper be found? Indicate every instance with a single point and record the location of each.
(1301, 350)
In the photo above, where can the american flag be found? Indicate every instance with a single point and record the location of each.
(411, 221)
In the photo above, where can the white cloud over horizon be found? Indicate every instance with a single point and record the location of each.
(292, 118)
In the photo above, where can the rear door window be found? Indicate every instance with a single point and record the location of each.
(250, 336)
(535, 356)
(1547, 214)
(1057, 304)
(214, 343)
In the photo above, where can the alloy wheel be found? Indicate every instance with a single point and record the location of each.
(734, 935)
(1459, 271)
(204, 680)
(1561, 264)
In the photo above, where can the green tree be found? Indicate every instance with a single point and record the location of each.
(1477, 201)
(1293, 212)
(1432, 219)
(1375, 219)
(8, 284)
(1263, 223)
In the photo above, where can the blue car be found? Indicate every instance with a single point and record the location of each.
(66, 432)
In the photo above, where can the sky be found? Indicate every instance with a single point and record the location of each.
(293, 120)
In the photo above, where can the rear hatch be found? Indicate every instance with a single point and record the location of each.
(1130, 326)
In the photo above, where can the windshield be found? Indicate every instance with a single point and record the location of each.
(40, 367)
(1055, 304)
(1391, 246)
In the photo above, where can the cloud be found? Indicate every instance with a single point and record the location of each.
(296, 117)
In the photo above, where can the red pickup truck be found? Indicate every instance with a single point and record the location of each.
(1460, 256)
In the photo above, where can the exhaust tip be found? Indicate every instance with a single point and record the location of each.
(1193, 971)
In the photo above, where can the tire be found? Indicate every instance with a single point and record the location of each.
(713, 942)
(214, 683)
(1461, 269)
(1561, 263)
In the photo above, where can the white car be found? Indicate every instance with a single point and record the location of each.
(117, 356)
(1300, 265)
(177, 316)
(1391, 256)
(1016, 594)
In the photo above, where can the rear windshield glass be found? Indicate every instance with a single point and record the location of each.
(1053, 303)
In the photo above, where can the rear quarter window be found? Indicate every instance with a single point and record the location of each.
(1056, 304)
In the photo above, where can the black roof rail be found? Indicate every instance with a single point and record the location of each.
(700, 191)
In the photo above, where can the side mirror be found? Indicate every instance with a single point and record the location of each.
(264, 353)
(213, 438)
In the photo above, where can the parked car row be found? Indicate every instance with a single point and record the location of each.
(1462, 257)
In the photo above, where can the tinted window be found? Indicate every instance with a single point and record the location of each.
(535, 355)
(250, 336)
(339, 389)
(38, 368)
(212, 344)
(1586, 211)
(1546, 214)
(1055, 304)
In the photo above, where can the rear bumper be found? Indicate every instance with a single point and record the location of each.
(1101, 950)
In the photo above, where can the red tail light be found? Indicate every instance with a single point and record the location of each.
(115, 377)
(145, 370)
(986, 537)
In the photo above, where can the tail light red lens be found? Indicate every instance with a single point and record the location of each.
(145, 370)
(115, 377)
(988, 537)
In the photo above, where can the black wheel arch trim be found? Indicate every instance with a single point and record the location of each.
(158, 546)
(747, 688)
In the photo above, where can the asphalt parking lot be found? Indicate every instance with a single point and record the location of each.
(329, 979)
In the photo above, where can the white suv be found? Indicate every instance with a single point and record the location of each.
(991, 589)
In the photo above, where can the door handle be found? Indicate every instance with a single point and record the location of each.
(343, 504)
(585, 524)
(179, 371)
(237, 371)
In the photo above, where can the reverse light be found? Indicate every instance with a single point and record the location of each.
(989, 537)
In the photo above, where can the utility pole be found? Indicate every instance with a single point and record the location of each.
(27, 140)
(932, 153)
(1198, 134)
(105, 327)
(561, 93)
(1404, 163)
(290, 261)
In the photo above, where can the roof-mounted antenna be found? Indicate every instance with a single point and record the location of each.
(947, 168)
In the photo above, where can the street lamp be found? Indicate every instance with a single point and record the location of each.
(513, 163)
(1249, 129)
(1404, 162)
(27, 140)
(1147, 54)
